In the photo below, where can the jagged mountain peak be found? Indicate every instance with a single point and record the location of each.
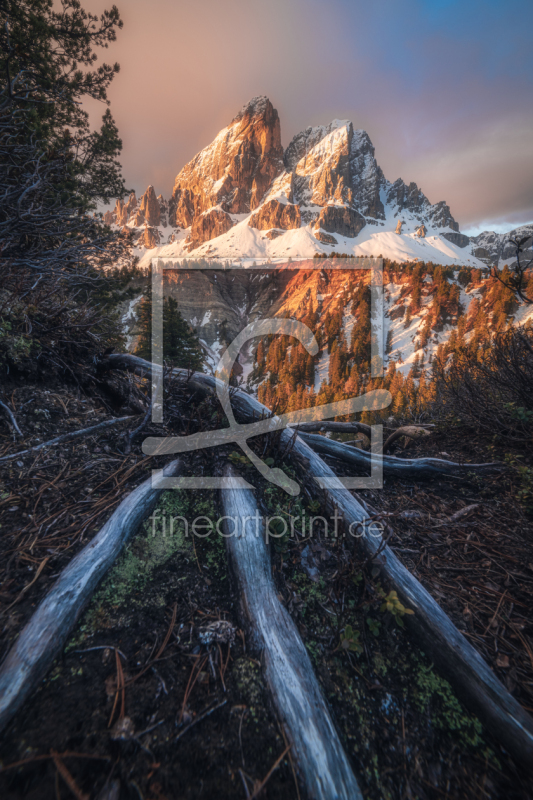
(259, 106)
(307, 139)
(243, 195)
(231, 175)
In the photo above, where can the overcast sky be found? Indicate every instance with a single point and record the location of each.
(443, 88)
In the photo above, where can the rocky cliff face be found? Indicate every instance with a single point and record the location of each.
(149, 207)
(209, 225)
(336, 165)
(457, 238)
(497, 246)
(343, 220)
(149, 215)
(275, 214)
(411, 198)
(235, 171)
(323, 173)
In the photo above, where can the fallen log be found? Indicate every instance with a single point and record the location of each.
(66, 437)
(322, 762)
(252, 410)
(46, 633)
(454, 657)
(421, 468)
(334, 427)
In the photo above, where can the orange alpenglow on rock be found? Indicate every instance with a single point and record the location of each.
(150, 238)
(149, 207)
(275, 214)
(233, 173)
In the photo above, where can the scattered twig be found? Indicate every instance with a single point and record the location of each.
(21, 594)
(197, 666)
(161, 649)
(45, 757)
(199, 718)
(103, 647)
(120, 689)
(243, 779)
(291, 762)
(463, 512)
(240, 732)
(68, 778)
(139, 428)
(7, 411)
(272, 769)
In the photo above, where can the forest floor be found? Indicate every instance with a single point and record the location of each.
(157, 693)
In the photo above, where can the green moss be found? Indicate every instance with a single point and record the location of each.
(152, 548)
(434, 694)
(314, 650)
(157, 542)
(247, 675)
(380, 664)
(311, 592)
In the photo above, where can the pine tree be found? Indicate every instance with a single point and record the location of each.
(181, 347)
(53, 168)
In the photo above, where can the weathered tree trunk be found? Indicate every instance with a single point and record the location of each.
(299, 703)
(334, 427)
(421, 468)
(459, 662)
(45, 634)
(454, 657)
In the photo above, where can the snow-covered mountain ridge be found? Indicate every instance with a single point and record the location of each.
(244, 196)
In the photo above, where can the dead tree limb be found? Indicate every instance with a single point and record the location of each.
(471, 678)
(11, 417)
(334, 427)
(323, 764)
(421, 468)
(409, 431)
(400, 467)
(46, 633)
(139, 428)
(67, 437)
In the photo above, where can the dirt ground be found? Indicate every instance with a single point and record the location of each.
(157, 694)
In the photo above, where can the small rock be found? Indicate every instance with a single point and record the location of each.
(123, 729)
(308, 564)
(410, 514)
